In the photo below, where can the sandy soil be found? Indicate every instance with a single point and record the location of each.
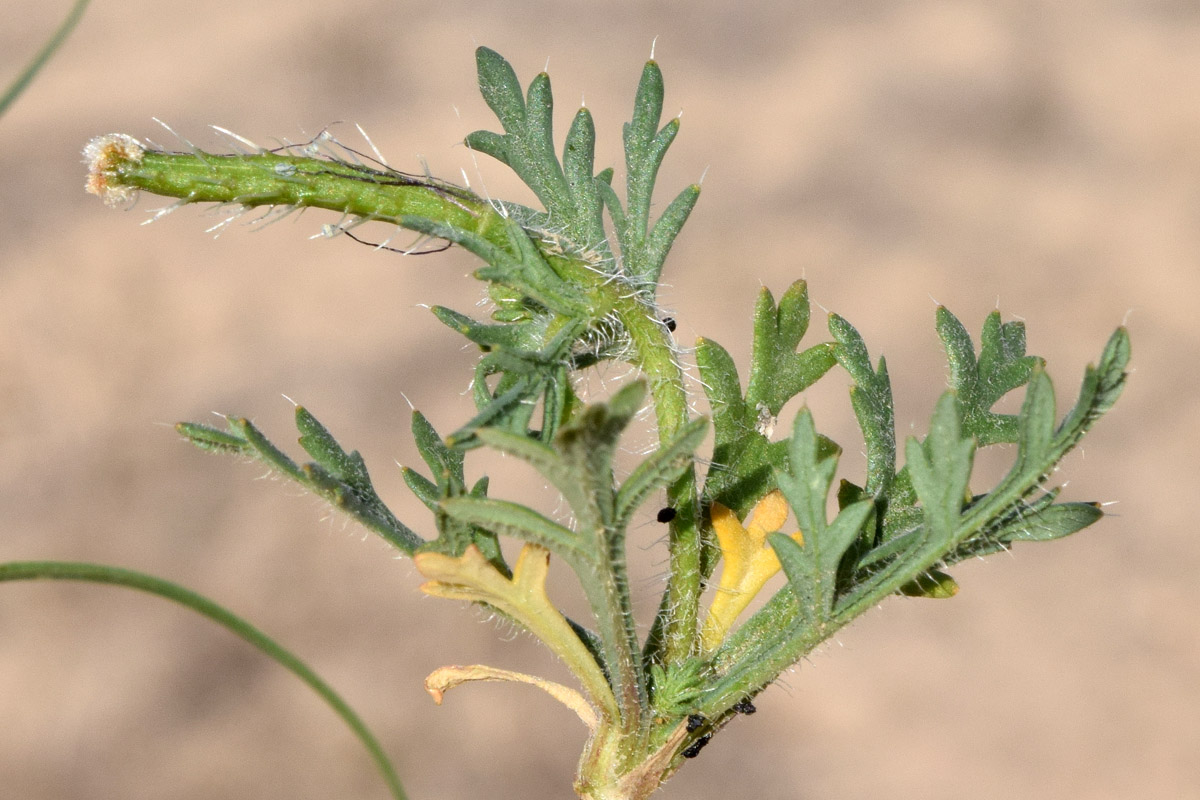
(1039, 157)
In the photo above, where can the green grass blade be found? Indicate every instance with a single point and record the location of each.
(100, 573)
(48, 50)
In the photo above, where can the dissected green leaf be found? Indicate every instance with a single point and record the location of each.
(742, 457)
(1036, 520)
(527, 147)
(1053, 522)
(952, 528)
(316, 440)
(491, 337)
(644, 246)
(666, 228)
(584, 187)
(500, 88)
(339, 477)
(777, 372)
(941, 469)
(871, 399)
(425, 489)
(264, 450)
(213, 439)
(644, 146)
(446, 465)
(530, 357)
(525, 377)
(812, 567)
(743, 453)
(980, 383)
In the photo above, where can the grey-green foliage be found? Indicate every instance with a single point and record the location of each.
(335, 475)
(848, 565)
(572, 194)
(565, 299)
(812, 568)
(980, 382)
(543, 325)
(449, 481)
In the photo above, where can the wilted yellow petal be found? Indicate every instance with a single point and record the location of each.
(472, 577)
(443, 679)
(469, 577)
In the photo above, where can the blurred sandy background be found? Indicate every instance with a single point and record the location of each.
(1039, 156)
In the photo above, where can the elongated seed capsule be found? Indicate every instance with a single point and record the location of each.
(119, 167)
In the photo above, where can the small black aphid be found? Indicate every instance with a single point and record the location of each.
(695, 747)
(670, 323)
(695, 721)
(744, 707)
(666, 515)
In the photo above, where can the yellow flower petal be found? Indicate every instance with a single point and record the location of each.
(769, 516)
(748, 562)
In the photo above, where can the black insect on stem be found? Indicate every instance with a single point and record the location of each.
(670, 323)
(744, 706)
(666, 515)
(695, 721)
(693, 749)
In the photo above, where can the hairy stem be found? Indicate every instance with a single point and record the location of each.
(655, 355)
(120, 167)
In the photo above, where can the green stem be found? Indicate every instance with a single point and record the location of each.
(655, 355)
(99, 573)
